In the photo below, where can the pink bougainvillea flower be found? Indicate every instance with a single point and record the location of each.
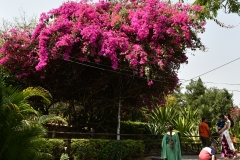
(150, 82)
(148, 37)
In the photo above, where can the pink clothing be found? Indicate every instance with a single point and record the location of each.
(206, 153)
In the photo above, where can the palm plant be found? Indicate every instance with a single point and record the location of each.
(52, 119)
(187, 121)
(183, 125)
(160, 118)
(19, 131)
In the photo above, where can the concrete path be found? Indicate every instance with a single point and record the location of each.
(195, 157)
(186, 157)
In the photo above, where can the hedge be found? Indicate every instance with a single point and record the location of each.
(98, 149)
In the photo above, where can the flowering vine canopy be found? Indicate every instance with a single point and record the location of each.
(149, 37)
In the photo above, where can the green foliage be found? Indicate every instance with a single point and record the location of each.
(52, 119)
(183, 125)
(219, 100)
(185, 111)
(98, 149)
(19, 132)
(135, 148)
(160, 118)
(223, 102)
(53, 147)
(88, 149)
(187, 121)
(236, 129)
(184, 119)
(64, 156)
(116, 150)
(130, 127)
(212, 7)
(206, 111)
(211, 102)
(194, 92)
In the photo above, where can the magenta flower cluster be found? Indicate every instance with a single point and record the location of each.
(151, 36)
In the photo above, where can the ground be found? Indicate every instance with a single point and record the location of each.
(184, 157)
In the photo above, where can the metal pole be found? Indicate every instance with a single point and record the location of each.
(119, 118)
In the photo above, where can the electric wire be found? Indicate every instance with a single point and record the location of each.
(72, 61)
(128, 70)
(231, 84)
(180, 80)
(119, 72)
(213, 69)
(184, 85)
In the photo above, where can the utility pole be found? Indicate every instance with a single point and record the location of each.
(119, 117)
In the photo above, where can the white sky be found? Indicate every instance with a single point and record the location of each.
(223, 45)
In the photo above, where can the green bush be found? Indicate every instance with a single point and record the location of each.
(186, 139)
(116, 150)
(86, 149)
(130, 127)
(98, 149)
(135, 148)
(64, 156)
(53, 147)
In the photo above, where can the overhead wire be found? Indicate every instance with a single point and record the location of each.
(232, 84)
(234, 90)
(212, 69)
(180, 80)
(114, 71)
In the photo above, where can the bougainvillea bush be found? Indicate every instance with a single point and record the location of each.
(147, 39)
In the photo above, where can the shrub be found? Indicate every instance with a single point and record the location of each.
(52, 147)
(86, 149)
(131, 127)
(135, 148)
(64, 156)
(98, 149)
(116, 150)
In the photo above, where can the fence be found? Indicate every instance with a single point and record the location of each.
(152, 142)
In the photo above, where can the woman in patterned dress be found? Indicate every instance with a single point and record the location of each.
(228, 150)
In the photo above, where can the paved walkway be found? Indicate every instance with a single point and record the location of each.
(195, 157)
(185, 157)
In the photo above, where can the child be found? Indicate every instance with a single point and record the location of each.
(208, 153)
(220, 124)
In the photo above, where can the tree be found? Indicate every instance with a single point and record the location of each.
(223, 101)
(219, 99)
(99, 55)
(212, 7)
(22, 22)
(210, 101)
(194, 92)
(20, 133)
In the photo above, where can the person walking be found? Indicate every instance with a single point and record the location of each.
(228, 149)
(171, 145)
(204, 132)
